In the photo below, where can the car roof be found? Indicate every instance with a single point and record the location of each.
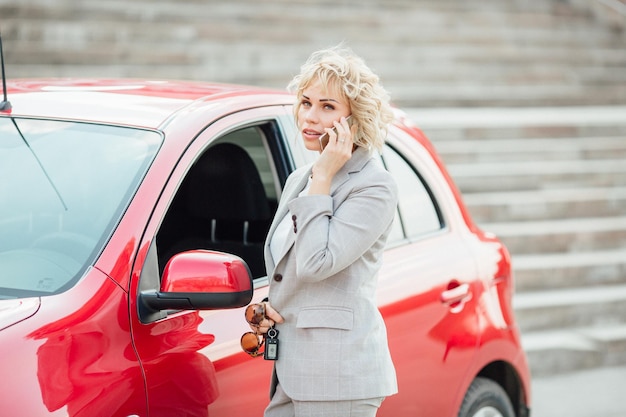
(132, 102)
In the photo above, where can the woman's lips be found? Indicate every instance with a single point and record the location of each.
(311, 134)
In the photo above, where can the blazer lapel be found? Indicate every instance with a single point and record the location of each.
(354, 164)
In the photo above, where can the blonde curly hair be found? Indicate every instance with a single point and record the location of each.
(340, 69)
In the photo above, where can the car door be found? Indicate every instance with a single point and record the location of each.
(426, 287)
(186, 355)
(244, 381)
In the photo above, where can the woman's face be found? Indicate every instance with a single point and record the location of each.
(319, 108)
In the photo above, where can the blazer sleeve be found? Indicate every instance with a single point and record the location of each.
(332, 232)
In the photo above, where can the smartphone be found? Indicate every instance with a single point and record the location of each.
(324, 138)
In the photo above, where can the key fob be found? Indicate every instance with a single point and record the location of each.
(271, 345)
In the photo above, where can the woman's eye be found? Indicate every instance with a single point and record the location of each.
(329, 107)
(305, 103)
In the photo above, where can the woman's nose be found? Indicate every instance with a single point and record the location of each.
(311, 116)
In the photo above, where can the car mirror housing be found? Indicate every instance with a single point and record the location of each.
(199, 280)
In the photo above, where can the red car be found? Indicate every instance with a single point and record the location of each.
(132, 220)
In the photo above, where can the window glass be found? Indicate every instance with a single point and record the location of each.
(418, 212)
(396, 235)
(63, 188)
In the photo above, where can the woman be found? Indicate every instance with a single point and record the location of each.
(325, 246)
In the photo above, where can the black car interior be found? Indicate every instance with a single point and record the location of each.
(221, 205)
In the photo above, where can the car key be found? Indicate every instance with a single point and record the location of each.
(271, 345)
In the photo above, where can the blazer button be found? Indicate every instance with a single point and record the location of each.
(278, 277)
(294, 217)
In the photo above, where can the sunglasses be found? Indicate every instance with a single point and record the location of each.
(251, 343)
(255, 313)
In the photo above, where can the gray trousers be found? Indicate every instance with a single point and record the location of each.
(283, 406)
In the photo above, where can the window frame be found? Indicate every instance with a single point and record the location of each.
(426, 190)
(275, 126)
(428, 171)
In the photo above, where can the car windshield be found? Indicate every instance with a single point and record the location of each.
(63, 187)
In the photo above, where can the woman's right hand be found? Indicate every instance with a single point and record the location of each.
(271, 318)
(334, 156)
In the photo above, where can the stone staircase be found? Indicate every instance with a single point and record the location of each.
(430, 53)
(551, 183)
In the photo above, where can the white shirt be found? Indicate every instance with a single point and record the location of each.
(279, 238)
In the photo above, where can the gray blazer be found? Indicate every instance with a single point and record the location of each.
(333, 343)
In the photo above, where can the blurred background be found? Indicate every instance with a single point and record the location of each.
(525, 100)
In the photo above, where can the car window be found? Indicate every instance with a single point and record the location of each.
(418, 213)
(226, 200)
(64, 187)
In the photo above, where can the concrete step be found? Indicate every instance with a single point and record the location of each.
(524, 129)
(259, 68)
(454, 124)
(573, 235)
(429, 14)
(552, 204)
(463, 43)
(469, 21)
(558, 351)
(275, 32)
(540, 174)
(468, 93)
(532, 149)
(570, 308)
(539, 272)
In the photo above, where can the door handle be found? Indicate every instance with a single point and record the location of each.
(456, 296)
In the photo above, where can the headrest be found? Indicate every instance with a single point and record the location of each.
(225, 184)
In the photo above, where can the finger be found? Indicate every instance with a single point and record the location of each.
(349, 129)
(263, 329)
(263, 326)
(341, 133)
(272, 314)
(333, 133)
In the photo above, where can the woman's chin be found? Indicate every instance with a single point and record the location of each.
(312, 145)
